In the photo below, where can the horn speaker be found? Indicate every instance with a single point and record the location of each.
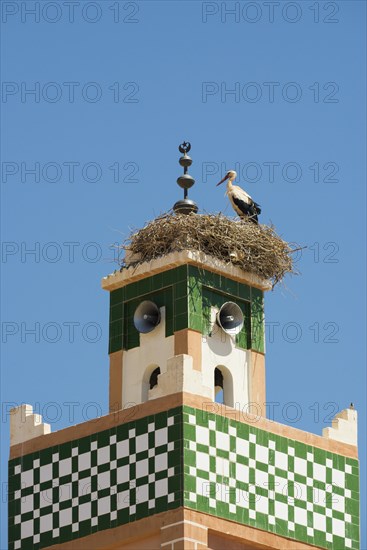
(230, 318)
(146, 317)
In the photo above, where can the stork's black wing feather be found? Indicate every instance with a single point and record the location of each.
(253, 208)
(242, 205)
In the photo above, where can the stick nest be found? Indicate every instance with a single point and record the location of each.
(255, 248)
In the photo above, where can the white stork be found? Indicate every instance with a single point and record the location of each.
(241, 202)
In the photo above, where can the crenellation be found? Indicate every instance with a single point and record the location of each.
(26, 425)
(344, 427)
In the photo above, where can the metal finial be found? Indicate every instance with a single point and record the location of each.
(186, 206)
(184, 147)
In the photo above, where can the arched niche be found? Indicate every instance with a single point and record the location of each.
(150, 380)
(223, 386)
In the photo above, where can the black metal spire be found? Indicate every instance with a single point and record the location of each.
(185, 206)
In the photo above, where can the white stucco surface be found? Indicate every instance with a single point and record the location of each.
(219, 350)
(180, 376)
(139, 362)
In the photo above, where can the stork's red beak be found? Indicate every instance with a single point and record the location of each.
(224, 179)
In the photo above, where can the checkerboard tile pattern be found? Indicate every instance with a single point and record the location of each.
(183, 457)
(108, 479)
(245, 474)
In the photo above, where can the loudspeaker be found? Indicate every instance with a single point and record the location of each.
(230, 318)
(146, 317)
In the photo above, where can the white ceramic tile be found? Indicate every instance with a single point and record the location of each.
(319, 522)
(142, 468)
(103, 480)
(319, 472)
(65, 517)
(26, 504)
(202, 435)
(104, 506)
(161, 488)
(160, 462)
(123, 474)
(84, 461)
(338, 527)
(261, 479)
(45, 523)
(300, 466)
(65, 492)
(142, 493)
(338, 478)
(281, 460)
(161, 437)
(202, 461)
(281, 510)
(26, 529)
(222, 441)
(26, 479)
(262, 454)
(103, 455)
(262, 504)
(142, 443)
(300, 516)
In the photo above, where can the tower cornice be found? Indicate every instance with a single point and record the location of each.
(139, 271)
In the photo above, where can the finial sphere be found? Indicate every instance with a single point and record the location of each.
(185, 161)
(185, 181)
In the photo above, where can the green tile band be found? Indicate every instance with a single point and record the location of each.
(187, 293)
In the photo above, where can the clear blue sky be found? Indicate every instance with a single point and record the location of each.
(123, 94)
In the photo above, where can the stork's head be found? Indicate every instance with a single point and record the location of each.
(231, 175)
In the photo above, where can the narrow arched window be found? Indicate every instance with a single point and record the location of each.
(149, 381)
(223, 386)
(153, 380)
(218, 386)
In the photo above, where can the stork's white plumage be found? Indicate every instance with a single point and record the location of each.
(241, 201)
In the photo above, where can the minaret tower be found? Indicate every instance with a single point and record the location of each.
(185, 322)
(186, 458)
